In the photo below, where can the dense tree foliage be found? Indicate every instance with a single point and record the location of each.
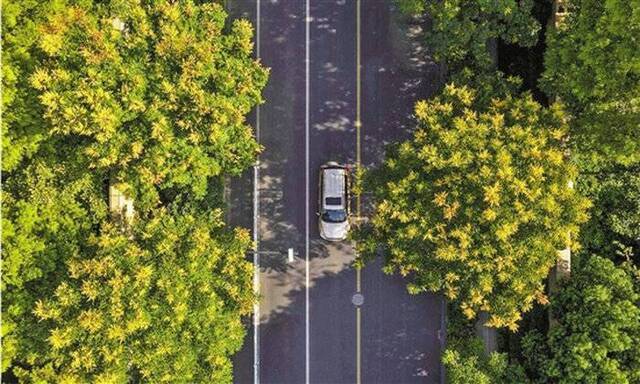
(152, 96)
(592, 63)
(48, 212)
(22, 126)
(614, 224)
(475, 368)
(163, 308)
(462, 29)
(476, 204)
(159, 99)
(465, 359)
(597, 339)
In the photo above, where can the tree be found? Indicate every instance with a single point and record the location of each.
(154, 94)
(22, 121)
(615, 217)
(465, 359)
(592, 63)
(47, 215)
(597, 339)
(462, 29)
(163, 307)
(475, 368)
(476, 204)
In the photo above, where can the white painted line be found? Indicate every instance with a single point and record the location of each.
(306, 144)
(256, 317)
(256, 254)
(358, 126)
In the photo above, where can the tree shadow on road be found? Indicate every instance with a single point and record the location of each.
(398, 71)
(400, 332)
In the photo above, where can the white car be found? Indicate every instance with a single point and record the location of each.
(333, 202)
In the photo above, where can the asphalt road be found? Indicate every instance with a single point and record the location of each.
(307, 327)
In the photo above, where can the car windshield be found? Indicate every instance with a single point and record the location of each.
(334, 215)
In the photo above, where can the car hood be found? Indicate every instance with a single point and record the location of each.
(334, 231)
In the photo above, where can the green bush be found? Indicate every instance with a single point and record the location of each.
(614, 225)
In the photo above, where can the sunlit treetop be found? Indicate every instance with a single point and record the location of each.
(156, 93)
(477, 203)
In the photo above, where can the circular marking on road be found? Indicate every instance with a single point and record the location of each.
(357, 299)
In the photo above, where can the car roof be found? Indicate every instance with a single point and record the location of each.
(333, 185)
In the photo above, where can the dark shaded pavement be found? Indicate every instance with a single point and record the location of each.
(400, 341)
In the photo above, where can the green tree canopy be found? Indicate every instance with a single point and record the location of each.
(47, 215)
(155, 94)
(597, 338)
(615, 215)
(592, 63)
(163, 307)
(462, 29)
(465, 359)
(477, 203)
(22, 120)
(478, 369)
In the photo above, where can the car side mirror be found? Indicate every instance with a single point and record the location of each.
(318, 214)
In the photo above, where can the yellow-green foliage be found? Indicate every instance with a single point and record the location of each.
(22, 127)
(476, 204)
(157, 92)
(152, 95)
(164, 306)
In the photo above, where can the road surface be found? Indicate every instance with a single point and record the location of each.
(307, 329)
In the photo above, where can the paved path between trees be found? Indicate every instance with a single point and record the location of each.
(308, 330)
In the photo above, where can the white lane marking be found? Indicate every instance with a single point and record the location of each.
(306, 54)
(256, 254)
(358, 125)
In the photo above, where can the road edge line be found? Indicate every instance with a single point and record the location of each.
(306, 136)
(256, 207)
(358, 125)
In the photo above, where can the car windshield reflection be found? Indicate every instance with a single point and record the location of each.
(334, 216)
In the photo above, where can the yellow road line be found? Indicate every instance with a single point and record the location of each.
(358, 125)
(358, 374)
(358, 122)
